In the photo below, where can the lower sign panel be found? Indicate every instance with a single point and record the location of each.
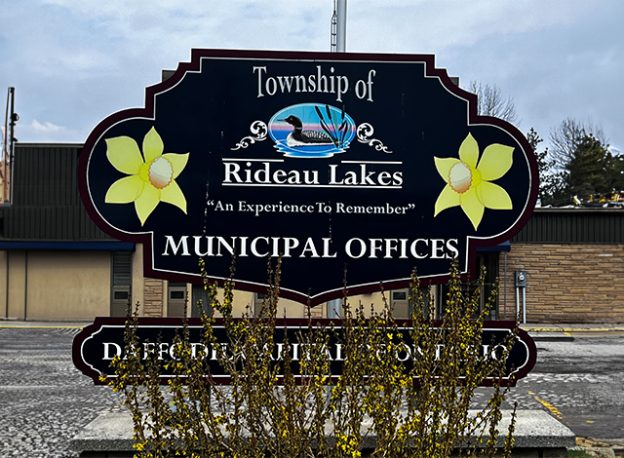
(95, 347)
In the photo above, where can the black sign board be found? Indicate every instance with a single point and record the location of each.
(369, 164)
(97, 344)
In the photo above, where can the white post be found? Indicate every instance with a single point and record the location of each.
(517, 303)
(524, 312)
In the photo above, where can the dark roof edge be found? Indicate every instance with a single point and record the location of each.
(579, 210)
(54, 245)
(49, 145)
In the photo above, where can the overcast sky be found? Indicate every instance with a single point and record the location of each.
(73, 62)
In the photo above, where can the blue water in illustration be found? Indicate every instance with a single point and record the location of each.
(332, 122)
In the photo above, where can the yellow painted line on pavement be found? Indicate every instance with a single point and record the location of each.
(551, 408)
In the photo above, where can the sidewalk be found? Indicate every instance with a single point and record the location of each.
(532, 328)
(4, 324)
(566, 332)
(572, 328)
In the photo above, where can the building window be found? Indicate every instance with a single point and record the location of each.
(399, 295)
(258, 302)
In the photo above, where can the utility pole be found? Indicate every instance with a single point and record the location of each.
(8, 146)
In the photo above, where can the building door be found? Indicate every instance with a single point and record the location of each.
(399, 304)
(176, 299)
(121, 282)
(490, 262)
(200, 302)
(334, 309)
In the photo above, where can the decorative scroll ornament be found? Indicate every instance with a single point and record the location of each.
(259, 130)
(364, 135)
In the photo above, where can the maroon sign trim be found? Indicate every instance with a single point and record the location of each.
(148, 111)
(90, 361)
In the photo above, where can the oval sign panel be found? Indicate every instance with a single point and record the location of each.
(361, 165)
(311, 130)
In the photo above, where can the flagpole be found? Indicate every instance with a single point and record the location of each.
(337, 44)
(339, 26)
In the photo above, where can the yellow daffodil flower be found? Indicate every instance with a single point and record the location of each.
(469, 185)
(151, 175)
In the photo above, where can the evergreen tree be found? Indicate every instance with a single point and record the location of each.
(589, 171)
(551, 183)
(567, 136)
(615, 176)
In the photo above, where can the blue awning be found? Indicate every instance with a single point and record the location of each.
(105, 245)
(505, 246)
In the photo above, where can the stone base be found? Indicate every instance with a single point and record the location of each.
(537, 434)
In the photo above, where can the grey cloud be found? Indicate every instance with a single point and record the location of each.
(75, 62)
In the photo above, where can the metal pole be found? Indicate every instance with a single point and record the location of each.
(517, 303)
(337, 44)
(524, 313)
(505, 283)
(334, 25)
(341, 25)
(338, 39)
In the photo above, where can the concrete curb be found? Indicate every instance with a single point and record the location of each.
(10, 324)
(111, 434)
(530, 328)
(565, 329)
(566, 333)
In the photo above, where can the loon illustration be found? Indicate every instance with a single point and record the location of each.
(300, 137)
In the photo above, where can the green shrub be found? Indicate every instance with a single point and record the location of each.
(267, 410)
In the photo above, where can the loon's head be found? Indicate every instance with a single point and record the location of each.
(294, 121)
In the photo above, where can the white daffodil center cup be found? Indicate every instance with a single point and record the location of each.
(460, 177)
(160, 172)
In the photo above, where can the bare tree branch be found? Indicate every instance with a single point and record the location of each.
(566, 138)
(490, 102)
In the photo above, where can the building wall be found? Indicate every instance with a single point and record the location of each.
(14, 273)
(3, 284)
(154, 291)
(567, 283)
(245, 301)
(76, 285)
(53, 285)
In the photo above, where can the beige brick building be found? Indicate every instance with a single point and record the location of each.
(568, 282)
(56, 265)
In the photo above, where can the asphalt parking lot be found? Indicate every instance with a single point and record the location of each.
(45, 401)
